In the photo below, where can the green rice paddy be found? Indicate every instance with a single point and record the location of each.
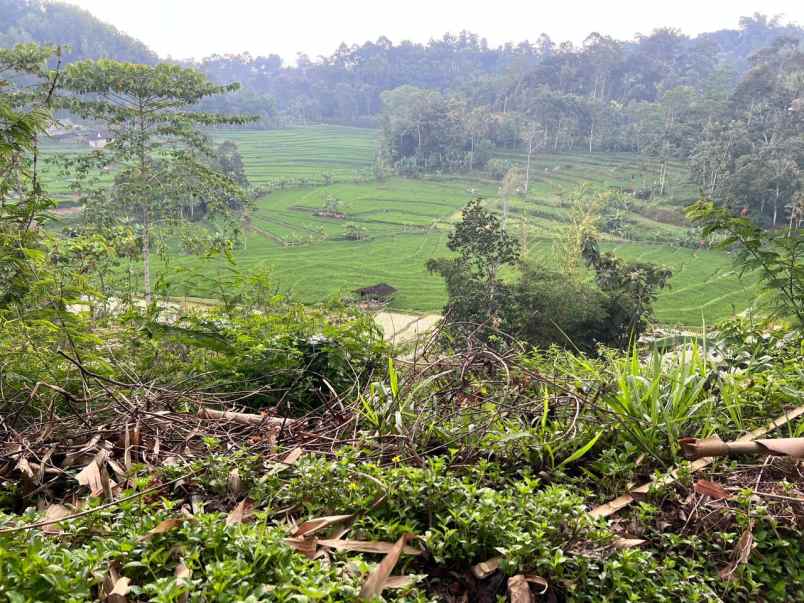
(404, 222)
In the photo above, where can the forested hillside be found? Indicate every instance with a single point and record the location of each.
(347, 85)
(43, 22)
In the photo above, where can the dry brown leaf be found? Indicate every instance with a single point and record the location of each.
(90, 476)
(25, 468)
(90, 448)
(234, 484)
(182, 571)
(375, 583)
(401, 581)
(241, 512)
(305, 546)
(792, 447)
(183, 574)
(55, 512)
(319, 523)
(164, 526)
(293, 456)
(484, 569)
(710, 489)
(366, 546)
(519, 590)
(539, 581)
(120, 590)
(628, 543)
(741, 553)
(115, 587)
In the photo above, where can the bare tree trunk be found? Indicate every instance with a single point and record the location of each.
(776, 206)
(558, 133)
(662, 176)
(524, 233)
(527, 169)
(146, 256)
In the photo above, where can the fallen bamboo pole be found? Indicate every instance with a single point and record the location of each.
(611, 507)
(695, 449)
(244, 418)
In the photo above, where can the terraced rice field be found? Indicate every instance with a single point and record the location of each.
(404, 222)
(299, 152)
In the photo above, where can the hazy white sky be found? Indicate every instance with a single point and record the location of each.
(197, 28)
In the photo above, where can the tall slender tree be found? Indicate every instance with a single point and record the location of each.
(157, 149)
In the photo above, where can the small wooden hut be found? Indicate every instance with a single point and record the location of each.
(379, 293)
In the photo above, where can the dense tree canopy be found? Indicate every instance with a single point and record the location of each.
(539, 306)
(347, 86)
(82, 35)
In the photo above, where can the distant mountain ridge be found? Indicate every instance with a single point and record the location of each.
(57, 23)
(347, 86)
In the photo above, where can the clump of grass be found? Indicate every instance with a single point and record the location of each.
(658, 400)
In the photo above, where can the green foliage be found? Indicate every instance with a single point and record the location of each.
(25, 113)
(550, 309)
(657, 401)
(632, 288)
(482, 244)
(292, 357)
(165, 167)
(461, 516)
(75, 29)
(542, 308)
(424, 131)
(476, 293)
(245, 563)
(300, 357)
(751, 157)
(777, 256)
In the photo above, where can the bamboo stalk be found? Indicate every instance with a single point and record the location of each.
(244, 418)
(611, 507)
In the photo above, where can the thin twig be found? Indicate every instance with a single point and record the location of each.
(48, 522)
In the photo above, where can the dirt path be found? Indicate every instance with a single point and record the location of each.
(402, 328)
(398, 327)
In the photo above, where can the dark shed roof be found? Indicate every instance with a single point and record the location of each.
(378, 290)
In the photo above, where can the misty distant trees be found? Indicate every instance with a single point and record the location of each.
(347, 86)
(750, 156)
(81, 35)
(743, 138)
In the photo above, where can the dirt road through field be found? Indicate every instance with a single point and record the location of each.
(402, 328)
